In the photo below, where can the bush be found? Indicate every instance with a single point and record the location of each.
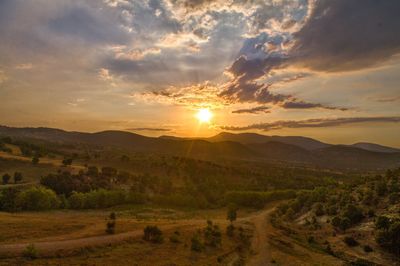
(367, 248)
(175, 237)
(319, 209)
(17, 177)
(230, 230)
(344, 224)
(97, 199)
(212, 235)
(30, 252)
(197, 245)
(35, 160)
(37, 199)
(353, 213)
(6, 179)
(390, 238)
(110, 226)
(350, 241)
(152, 234)
(336, 221)
(382, 222)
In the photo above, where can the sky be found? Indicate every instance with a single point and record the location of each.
(318, 68)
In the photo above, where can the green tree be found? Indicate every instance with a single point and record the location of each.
(152, 234)
(35, 160)
(232, 213)
(111, 222)
(18, 177)
(36, 199)
(196, 242)
(382, 222)
(67, 161)
(6, 178)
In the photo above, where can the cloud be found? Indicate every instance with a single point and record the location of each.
(305, 105)
(331, 36)
(3, 76)
(348, 35)
(148, 129)
(314, 123)
(255, 110)
(24, 66)
(388, 99)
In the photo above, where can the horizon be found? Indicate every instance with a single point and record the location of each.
(268, 67)
(165, 134)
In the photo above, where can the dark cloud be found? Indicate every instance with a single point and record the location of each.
(148, 129)
(314, 123)
(88, 24)
(305, 105)
(245, 91)
(255, 110)
(339, 35)
(348, 35)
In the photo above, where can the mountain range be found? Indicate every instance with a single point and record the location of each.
(245, 146)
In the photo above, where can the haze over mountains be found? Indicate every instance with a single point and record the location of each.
(295, 150)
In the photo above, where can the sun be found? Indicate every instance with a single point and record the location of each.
(204, 115)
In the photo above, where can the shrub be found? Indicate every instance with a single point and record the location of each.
(319, 209)
(35, 160)
(382, 222)
(367, 248)
(344, 224)
(336, 221)
(350, 241)
(17, 177)
(110, 226)
(6, 178)
(175, 237)
(212, 235)
(230, 230)
(30, 252)
(353, 213)
(232, 213)
(36, 199)
(390, 238)
(152, 234)
(197, 244)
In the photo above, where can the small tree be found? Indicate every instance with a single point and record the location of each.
(110, 229)
(35, 160)
(30, 252)
(6, 178)
(153, 234)
(67, 161)
(197, 245)
(17, 177)
(382, 222)
(232, 213)
(212, 235)
(319, 209)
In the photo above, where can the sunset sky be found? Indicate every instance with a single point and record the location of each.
(323, 69)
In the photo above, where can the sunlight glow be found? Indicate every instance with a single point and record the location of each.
(204, 115)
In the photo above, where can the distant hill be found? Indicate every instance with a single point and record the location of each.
(247, 146)
(375, 147)
(246, 138)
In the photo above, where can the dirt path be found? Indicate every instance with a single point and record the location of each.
(49, 248)
(260, 244)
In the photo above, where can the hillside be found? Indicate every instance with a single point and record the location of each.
(247, 146)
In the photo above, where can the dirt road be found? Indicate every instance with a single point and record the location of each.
(260, 244)
(49, 248)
